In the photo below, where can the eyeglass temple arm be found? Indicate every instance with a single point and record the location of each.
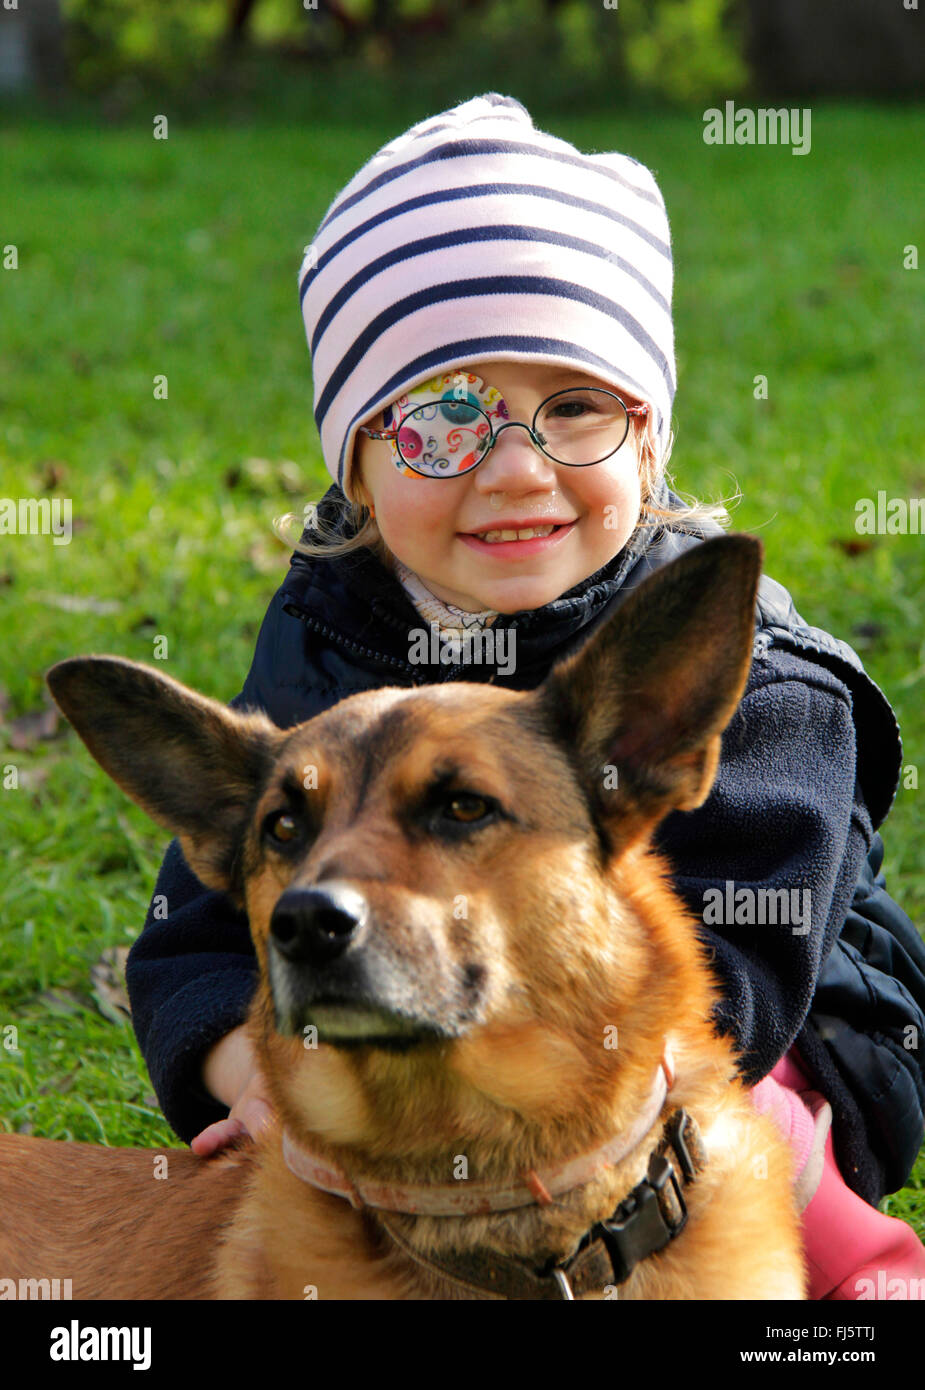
(377, 434)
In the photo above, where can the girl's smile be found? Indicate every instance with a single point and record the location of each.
(512, 540)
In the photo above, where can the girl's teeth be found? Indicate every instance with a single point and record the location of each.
(492, 536)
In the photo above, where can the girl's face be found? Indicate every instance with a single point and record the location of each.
(433, 524)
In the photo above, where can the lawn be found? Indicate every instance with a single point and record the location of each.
(140, 258)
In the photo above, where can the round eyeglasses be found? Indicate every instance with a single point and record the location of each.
(448, 437)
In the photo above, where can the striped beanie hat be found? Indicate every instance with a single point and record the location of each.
(472, 236)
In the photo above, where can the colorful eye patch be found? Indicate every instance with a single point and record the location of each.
(453, 443)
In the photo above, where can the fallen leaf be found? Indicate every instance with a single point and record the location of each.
(108, 976)
(849, 271)
(62, 1084)
(32, 728)
(266, 477)
(71, 603)
(266, 554)
(290, 475)
(32, 779)
(62, 1001)
(853, 547)
(54, 472)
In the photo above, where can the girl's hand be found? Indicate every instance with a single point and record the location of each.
(231, 1074)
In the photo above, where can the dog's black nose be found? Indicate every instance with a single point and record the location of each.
(316, 924)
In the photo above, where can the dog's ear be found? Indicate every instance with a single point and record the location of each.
(192, 764)
(643, 703)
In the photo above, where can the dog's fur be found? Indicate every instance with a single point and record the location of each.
(500, 940)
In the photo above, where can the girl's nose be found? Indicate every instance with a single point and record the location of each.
(512, 457)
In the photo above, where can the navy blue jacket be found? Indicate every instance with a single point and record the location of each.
(809, 767)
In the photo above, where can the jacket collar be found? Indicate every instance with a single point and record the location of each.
(356, 598)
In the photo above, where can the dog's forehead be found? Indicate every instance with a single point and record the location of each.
(394, 725)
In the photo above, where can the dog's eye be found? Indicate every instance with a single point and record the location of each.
(468, 807)
(282, 827)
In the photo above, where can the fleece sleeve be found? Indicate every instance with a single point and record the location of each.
(192, 972)
(190, 977)
(785, 813)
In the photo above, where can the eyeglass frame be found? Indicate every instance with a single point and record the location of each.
(631, 411)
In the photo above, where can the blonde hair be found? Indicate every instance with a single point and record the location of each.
(354, 527)
(688, 517)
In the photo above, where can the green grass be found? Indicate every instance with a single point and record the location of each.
(140, 257)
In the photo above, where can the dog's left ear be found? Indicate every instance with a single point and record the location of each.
(192, 764)
(643, 703)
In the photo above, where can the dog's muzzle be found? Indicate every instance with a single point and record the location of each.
(315, 925)
(334, 966)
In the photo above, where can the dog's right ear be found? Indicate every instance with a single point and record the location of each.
(641, 706)
(195, 766)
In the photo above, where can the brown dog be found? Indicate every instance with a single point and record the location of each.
(482, 1012)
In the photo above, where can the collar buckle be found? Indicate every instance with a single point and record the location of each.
(655, 1211)
(645, 1221)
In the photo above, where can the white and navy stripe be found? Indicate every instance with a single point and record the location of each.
(474, 235)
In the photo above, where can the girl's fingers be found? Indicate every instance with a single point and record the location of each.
(216, 1136)
(251, 1117)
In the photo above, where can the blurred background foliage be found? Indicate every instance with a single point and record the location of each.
(565, 53)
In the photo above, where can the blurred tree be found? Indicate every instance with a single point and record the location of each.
(239, 13)
(842, 47)
(113, 42)
(549, 51)
(31, 47)
(386, 20)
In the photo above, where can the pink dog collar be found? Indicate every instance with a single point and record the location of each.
(464, 1198)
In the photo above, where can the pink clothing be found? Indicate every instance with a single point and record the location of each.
(852, 1250)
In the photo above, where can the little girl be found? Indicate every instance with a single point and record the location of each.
(489, 316)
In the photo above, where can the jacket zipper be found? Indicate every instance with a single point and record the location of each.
(318, 626)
